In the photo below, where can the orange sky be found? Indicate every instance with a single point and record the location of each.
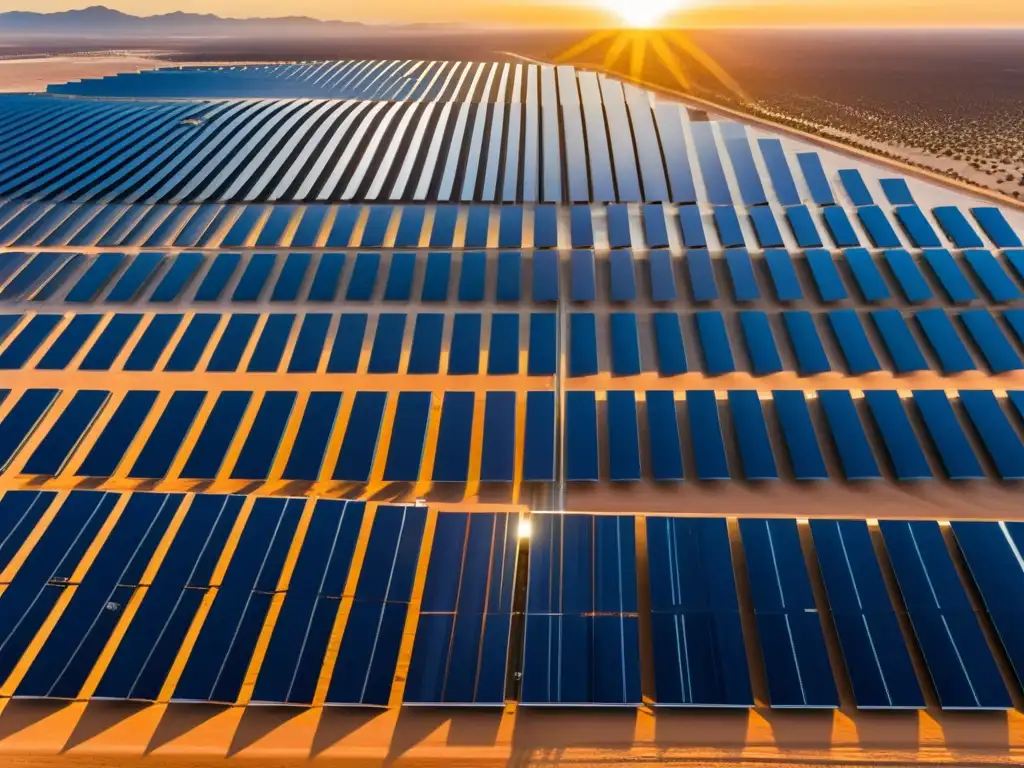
(991, 13)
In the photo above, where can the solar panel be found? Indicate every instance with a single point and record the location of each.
(783, 274)
(757, 334)
(625, 343)
(826, 276)
(472, 276)
(464, 351)
(293, 275)
(582, 641)
(908, 275)
(752, 436)
(232, 344)
(510, 276)
(997, 435)
(727, 222)
(956, 227)
(581, 446)
(584, 276)
(741, 270)
(916, 225)
(497, 460)
(714, 340)
(622, 276)
(899, 341)
(408, 434)
(583, 344)
(905, 454)
(944, 340)
(853, 341)
(869, 280)
(702, 276)
(765, 227)
(848, 437)
(256, 457)
(692, 226)
(66, 433)
(897, 191)
(996, 227)
(947, 435)
(802, 223)
(839, 227)
(798, 433)
(996, 282)
(995, 347)
(954, 648)
(310, 442)
(956, 286)
(788, 624)
(706, 432)
(699, 654)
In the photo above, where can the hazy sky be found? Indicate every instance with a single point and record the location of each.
(587, 12)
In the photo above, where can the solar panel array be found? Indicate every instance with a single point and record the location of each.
(157, 597)
(291, 351)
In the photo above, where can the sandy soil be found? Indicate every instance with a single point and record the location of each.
(32, 75)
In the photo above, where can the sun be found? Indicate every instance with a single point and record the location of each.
(643, 14)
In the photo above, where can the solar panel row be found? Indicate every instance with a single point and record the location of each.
(165, 597)
(196, 435)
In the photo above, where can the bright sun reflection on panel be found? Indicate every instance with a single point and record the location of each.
(643, 14)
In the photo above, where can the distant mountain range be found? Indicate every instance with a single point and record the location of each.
(100, 21)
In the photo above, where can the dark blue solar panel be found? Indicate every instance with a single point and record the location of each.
(314, 433)
(442, 235)
(803, 335)
(1015, 319)
(377, 220)
(741, 270)
(28, 340)
(727, 223)
(873, 649)
(293, 274)
(692, 227)
(909, 276)
(273, 231)
(436, 279)
(410, 227)
(229, 350)
(65, 348)
(668, 338)
(581, 228)
(583, 345)
(997, 435)
(407, 437)
(241, 230)
(141, 270)
(798, 432)
(308, 231)
(453, 439)
(363, 278)
(212, 445)
(699, 655)
(622, 274)
(38, 269)
(581, 462)
(706, 432)
(66, 433)
(158, 453)
(897, 191)
(663, 433)
(853, 341)
(955, 651)
(905, 454)
(899, 341)
(497, 460)
(715, 184)
(814, 175)
(714, 340)
(623, 437)
(947, 435)
(618, 226)
(783, 274)
(865, 272)
(344, 224)
(220, 272)
(997, 283)
(752, 435)
(95, 278)
(539, 442)
(757, 334)
(766, 228)
(542, 358)
(655, 226)
(956, 227)
(779, 171)
(361, 436)
(266, 357)
(804, 229)
(956, 286)
(325, 280)
(662, 276)
(261, 444)
(789, 628)
(387, 344)
(473, 276)
(944, 340)
(738, 147)
(848, 436)
(510, 276)
(625, 337)
(111, 341)
(510, 227)
(503, 348)
(464, 352)
(110, 446)
(878, 227)
(855, 187)
(425, 355)
(914, 223)
(584, 276)
(839, 227)
(180, 274)
(826, 276)
(996, 227)
(995, 347)
(545, 226)
(702, 276)
(477, 223)
(151, 345)
(545, 276)
(250, 285)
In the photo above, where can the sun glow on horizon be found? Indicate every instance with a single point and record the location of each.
(644, 14)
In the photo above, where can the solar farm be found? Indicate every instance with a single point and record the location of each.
(348, 399)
